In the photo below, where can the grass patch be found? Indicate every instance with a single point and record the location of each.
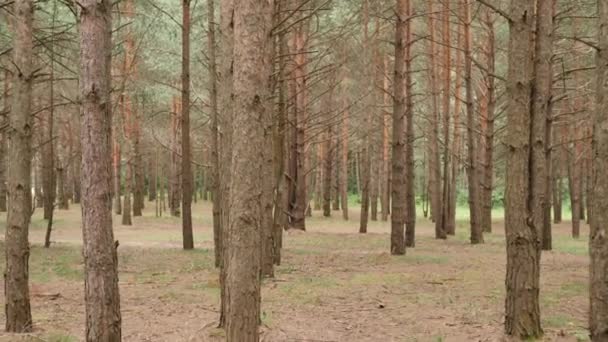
(571, 246)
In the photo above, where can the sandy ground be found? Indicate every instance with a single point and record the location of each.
(334, 284)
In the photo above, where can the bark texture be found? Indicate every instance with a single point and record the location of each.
(398, 210)
(16, 275)
(102, 300)
(598, 243)
(522, 309)
(252, 25)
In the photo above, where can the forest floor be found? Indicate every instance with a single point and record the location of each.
(334, 284)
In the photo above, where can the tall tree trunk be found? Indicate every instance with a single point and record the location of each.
(598, 245)
(215, 153)
(522, 309)
(472, 160)
(226, 115)
(365, 162)
(447, 77)
(344, 161)
(128, 151)
(281, 198)
(175, 178)
(385, 194)
(488, 154)
(328, 161)
(398, 179)
(102, 299)
(252, 25)
(300, 202)
(17, 249)
(152, 175)
(541, 116)
(434, 164)
(3, 143)
(116, 166)
(187, 235)
(410, 192)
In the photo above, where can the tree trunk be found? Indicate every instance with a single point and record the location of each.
(398, 179)
(488, 154)
(280, 219)
(448, 182)
(434, 164)
(215, 153)
(366, 153)
(117, 169)
(102, 300)
(410, 174)
(186, 174)
(328, 164)
(472, 160)
(344, 161)
(3, 143)
(17, 249)
(175, 178)
(252, 25)
(522, 311)
(541, 116)
(385, 194)
(300, 201)
(226, 116)
(598, 294)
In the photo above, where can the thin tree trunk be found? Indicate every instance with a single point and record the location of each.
(102, 299)
(365, 162)
(447, 76)
(187, 234)
(215, 153)
(226, 116)
(488, 155)
(472, 160)
(434, 164)
(398, 179)
(17, 250)
(3, 143)
(541, 116)
(410, 192)
(344, 161)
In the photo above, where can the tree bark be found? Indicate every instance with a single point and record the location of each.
(102, 299)
(365, 162)
(472, 160)
(448, 182)
(522, 310)
(252, 25)
(598, 242)
(488, 153)
(186, 174)
(226, 92)
(541, 116)
(3, 143)
(215, 152)
(17, 249)
(398, 179)
(410, 192)
(434, 164)
(344, 161)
